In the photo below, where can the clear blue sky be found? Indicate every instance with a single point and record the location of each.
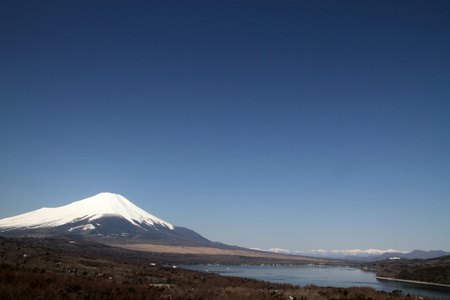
(291, 124)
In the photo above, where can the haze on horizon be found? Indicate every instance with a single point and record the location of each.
(293, 125)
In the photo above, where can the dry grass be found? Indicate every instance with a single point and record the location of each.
(212, 251)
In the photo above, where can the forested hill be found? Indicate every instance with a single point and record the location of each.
(435, 270)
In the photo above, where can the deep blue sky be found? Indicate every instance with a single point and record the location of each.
(290, 124)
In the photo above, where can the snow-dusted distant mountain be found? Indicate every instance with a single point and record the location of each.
(364, 255)
(103, 216)
(408, 255)
(347, 254)
(339, 254)
(274, 250)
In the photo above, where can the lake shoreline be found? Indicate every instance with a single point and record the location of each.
(326, 276)
(413, 281)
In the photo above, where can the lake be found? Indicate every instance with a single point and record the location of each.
(321, 276)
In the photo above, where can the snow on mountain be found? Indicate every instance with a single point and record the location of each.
(364, 255)
(337, 254)
(346, 253)
(92, 208)
(274, 250)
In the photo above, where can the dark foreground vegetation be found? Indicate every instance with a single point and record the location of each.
(65, 269)
(435, 270)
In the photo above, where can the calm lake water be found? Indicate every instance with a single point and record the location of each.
(322, 276)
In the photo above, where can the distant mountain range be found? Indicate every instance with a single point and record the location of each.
(105, 217)
(416, 254)
(112, 219)
(365, 255)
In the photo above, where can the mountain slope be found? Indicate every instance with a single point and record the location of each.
(354, 254)
(105, 216)
(92, 208)
(369, 254)
(416, 254)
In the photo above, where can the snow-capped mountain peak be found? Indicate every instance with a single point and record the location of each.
(345, 253)
(92, 208)
(337, 254)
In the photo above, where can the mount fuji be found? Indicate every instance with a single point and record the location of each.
(105, 217)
